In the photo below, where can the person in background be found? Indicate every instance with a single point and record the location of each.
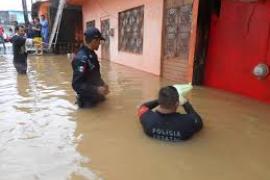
(11, 32)
(2, 38)
(44, 29)
(165, 123)
(87, 81)
(36, 34)
(30, 30)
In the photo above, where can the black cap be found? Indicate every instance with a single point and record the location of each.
(93, 33)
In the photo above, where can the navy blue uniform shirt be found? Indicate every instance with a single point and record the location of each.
(86, 72)
(169, 127)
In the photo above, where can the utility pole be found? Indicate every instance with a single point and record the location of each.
(25, 12)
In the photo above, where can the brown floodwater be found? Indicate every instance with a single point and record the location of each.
(43, 135)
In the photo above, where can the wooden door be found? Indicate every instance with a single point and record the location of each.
(176, 37)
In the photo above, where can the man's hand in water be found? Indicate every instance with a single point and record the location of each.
(107, 89)
(103, 90)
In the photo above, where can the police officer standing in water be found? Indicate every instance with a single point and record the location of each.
(165, 123)
(87, 81)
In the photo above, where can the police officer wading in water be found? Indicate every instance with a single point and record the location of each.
(166, 123)
(87, 81)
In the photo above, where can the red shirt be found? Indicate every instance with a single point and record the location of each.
(1, 30)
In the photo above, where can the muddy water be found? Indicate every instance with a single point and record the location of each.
(44, 136)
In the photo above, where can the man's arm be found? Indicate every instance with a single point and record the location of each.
(198, 124)
(147, 106)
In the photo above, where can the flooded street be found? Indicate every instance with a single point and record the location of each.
(43, 135)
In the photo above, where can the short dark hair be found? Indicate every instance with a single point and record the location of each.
(168, 97)
(18, 27)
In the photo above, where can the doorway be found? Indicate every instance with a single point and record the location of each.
(105, 46)
(233, 37)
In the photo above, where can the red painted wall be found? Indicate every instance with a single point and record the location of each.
(239, 39)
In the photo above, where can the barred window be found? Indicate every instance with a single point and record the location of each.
(131, 25)
(177, 31)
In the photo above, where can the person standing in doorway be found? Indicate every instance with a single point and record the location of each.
(87, 81)
(36, 34)
(29, 31)
(44, 29)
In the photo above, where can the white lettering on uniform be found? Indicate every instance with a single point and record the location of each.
(81, 68)
(167, 132)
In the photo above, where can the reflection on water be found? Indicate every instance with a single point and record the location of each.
(44, 136)
(37, 131)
